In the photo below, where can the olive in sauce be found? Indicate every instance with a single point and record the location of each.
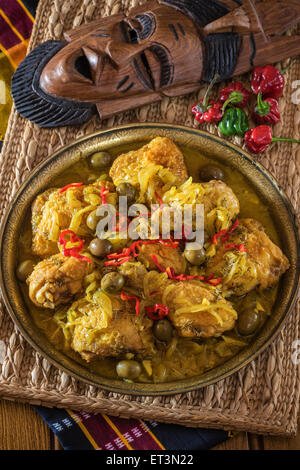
(163, 330)
(100, 248)
(248, 322)
(100, 160)
(211, 172)
(112, 282)
(195, 257)
(126, 189)
(128, 369)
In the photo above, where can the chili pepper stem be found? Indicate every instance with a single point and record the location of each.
(208, 91)
(282, 139)
(263, 107)
(236, 97)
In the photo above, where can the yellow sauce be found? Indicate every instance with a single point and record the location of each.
(182, 357)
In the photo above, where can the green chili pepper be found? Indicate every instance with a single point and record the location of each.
(234, 122)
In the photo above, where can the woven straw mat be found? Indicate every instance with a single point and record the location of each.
(262, 397)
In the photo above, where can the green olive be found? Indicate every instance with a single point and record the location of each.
(211, 172)
(92, 220)
(24, 269)
(128, 369)
(248, 322)
(112, 282)
(163, 330)
(126, 189)
(100, 160)
(100, 248)
(195, 257)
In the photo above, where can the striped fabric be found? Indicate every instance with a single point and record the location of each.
(16, 21)
(85, 431)
(79, 430)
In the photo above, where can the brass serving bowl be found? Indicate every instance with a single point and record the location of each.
(210, 145)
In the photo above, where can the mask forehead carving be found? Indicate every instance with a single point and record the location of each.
(159, 49)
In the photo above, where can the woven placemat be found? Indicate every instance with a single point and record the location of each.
(264, 396)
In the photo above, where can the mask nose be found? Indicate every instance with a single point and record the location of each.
(121, 52)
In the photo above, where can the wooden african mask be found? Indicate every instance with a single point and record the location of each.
(165, 48)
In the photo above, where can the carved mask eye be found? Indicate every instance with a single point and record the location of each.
(147, 26)
(83, 67)
(139, 28)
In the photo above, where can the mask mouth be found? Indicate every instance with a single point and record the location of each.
(34, 104)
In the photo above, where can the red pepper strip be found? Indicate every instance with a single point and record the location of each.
(103, 193)
(214, 282)
(240, 247)
(181, 277)
(230, 230)
(159, 200)
(125, 296)
(117, 263)
(131, 250)
(73, 185)
(154, 259)
(225, 234)
(214, 239)
(154, 292)
(157, 312)
(73, 251)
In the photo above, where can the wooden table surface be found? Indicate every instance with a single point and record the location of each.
(21, 428)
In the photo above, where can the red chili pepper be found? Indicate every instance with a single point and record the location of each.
(235, 94)
(157, 312)
(103, 193)
(208, 110)
(125, 296)
(266, 111)
(258, 139)
(73, 185)
(267, 80)
(74, 250)
(212, 112)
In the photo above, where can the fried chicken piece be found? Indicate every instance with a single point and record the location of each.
(134, 272)
(221, 206)
(167, 257)
(56, 280)
(160, 151)
(197, 311)
(97, 334)
(53, 212)
(261, 265)
(41, 226)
